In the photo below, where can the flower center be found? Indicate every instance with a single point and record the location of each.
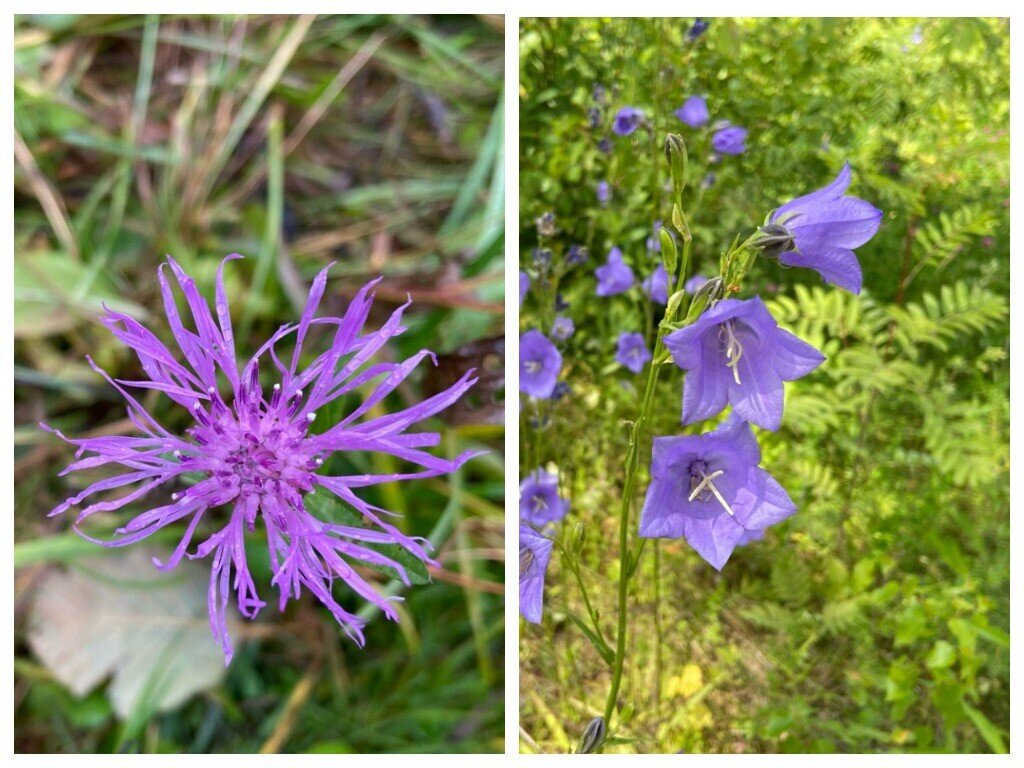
(732, 348)
(538, 504)
(702, 484)
(533, 366)
(526, 558)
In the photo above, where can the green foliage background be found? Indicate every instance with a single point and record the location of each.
(877, 618)
(372, 141)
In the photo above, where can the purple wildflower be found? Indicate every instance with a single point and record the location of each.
(614, 276)
(627, 120)
(654, 239)
(698, 28)
(736, 353)
(605, 145)
(632, 351)
(825, 226)
(251, 450)
(604, 192)
(730, 140)
(534, 554)
(524, 286)
(694, 283)
(656, 286)
(594, 117)
(710, 490)
(694, 112)
(562, 389)
(562, 328)
(539, 363)
(576, 255)
(599, 93)
(539, 502)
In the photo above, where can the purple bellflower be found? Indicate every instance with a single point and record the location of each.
(654, 239)
(710, 490)
(627, 120)
(736, 353)
(694, 112)
(694, 283)
(604, 193)
(632, 351)
(698, 28)
(539, 363)
(614, 276)
(656, 285)
(252, 454)
(539, 502)
(534, 554)
(825, 226)
(524, 286)
(562, 328)
(730, 140)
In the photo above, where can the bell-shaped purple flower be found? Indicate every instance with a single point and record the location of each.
(694, 112)
(534, 554)
(736, 353)
(614, 276)
(710, 490)
(539, 363)
(656, 285)
(698, 28)
(627, 120)
(562, 328)
(632, 351)
(524, 286)
(250, 460)
(539, 502)
(694, 283)
(826, 226)
(730, 140)
(604, 193)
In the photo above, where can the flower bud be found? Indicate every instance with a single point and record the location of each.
(773, 240)
(577, 537)
(706, 295)
(546, 225)
(669, 255)
(593, 737)
(675, 151)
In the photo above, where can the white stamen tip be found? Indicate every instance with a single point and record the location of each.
(310, 416)
(211, 390)
(277, 387)
(319, 462)
(175, 496)
(298, 393)
(197, 405)
(177, 454)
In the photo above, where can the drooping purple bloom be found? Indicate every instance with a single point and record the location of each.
(249, 456)
(614, 276)
(627, 120)
(562, 328)
(826, 226)
(524, 286)
(539, 502)
(539, 363)
(604, 192)
(694, 112)
(730, 140)
(698, 28)
(710, 490)
(694, 283)
(736, 353)
(632, 351)
(656, 285)
(534, 554)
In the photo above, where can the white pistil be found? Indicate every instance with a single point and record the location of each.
(707, 482)
(177, 454)
(733, 350)
(277, 387)
(310, 416)
(175, 496)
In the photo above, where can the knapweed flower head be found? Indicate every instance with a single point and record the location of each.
(539, 363)
(710, 490)
(656, 285)
(614, 276)
(632, 351)
(524, 286)
(250, 459)
(534, 554)
(825, 226)
(694, 112)
(736, 353)
(604, 192)
(539, 502)
(627, 120)
(562, 328)
(730, 140)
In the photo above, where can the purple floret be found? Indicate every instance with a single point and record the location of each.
(534, 554)
(730, 140)
(632, 351)
(539, 363)
(627, 120)
(614, 276)
(694, 112)
(539, 502)
(250, 457)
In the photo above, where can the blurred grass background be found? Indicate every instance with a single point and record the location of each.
(373, 141)
(877, 618)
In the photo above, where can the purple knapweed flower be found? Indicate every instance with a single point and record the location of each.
(250, 456)
(539, 363)
(534, 554)
(627, 120)
(604, 192)
(614, 276)
(632, 351)
(710, 490)
(694, 283)
(825, 226)
(539, 502)
(730, 140)
(562, 328)
(694, 112)
(524, 286)
(698, 28)
(736, 353)
(656, 285)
